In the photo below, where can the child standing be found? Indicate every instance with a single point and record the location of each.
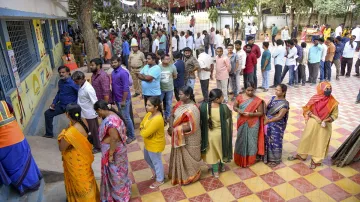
(152, 130)
(216, 132)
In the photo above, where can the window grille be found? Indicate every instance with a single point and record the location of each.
(22, 41)
(56, 38)
(4, 74)
(60, 30)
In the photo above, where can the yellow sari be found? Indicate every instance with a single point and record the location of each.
(80, 184)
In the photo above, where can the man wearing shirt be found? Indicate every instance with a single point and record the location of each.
(198, 42)
(253, 30)
(189, 40)
(168, 74)
(339, 48)
(86, 100)
(182, 41)
(226, 34)
(218, 40)
(290, 63)
(206, 40)
(100, 80)
(339, 30)
(357, 65)
(222, 68)
(247, 32)
(126, 51)
(242, 61)
(256, 50)
(279, 61)
(265, 66)
(180, 68)
(212, 40)
(150, 78)
(250, 65)
(191, 65)
(329, 58)
(67, 93)
(155, 45)
(174, 42)
(136, 62)
(323, 55)
(356, 33)
(274, 31)
(347, 56)
(162, 43)
(205, 72)
(234, 62)
(298, 59)
(314, 58)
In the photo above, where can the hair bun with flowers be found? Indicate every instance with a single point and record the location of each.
(77, 114)
(109, 106)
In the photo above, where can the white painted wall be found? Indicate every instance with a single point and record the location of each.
(280, 21)
(49, 7)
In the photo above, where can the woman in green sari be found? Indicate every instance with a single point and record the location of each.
(216, 132)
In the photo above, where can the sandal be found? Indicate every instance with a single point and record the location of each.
(296, 157)
(153, 177)
(216, 175)
(156, 184)
(313, 165)
(222, 168)
(273, 164)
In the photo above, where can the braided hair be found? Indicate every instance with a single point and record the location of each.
(213, 95)
(101, 104)
(74, 111)
(188, 91)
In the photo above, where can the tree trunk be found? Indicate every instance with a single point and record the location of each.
(260, 16)
(84, 8)
(319, 19)
(351, 19)
(345, 18)
(298, 20)
(291, 24)
(170, 28)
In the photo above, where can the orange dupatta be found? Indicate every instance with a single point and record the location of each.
(319, 104)
(252, 120)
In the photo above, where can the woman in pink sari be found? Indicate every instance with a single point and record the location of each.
(115, 182)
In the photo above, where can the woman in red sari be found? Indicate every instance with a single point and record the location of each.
(250, 124)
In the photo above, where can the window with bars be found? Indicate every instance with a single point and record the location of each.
(53, 25)
(22, 41)
(4, 75)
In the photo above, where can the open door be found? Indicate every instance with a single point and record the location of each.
(45, 29)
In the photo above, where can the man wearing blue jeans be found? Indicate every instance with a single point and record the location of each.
(168, 74)
(265, 66)
(191, 65)
(121, 95)
(290, 62)
(323, 55)
(329, 58)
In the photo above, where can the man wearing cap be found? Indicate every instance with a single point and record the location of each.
(136, 62)
(191, 65)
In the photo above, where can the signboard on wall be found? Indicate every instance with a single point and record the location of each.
(39, 38)
(12, 59)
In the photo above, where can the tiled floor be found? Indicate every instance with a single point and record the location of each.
(290, 181)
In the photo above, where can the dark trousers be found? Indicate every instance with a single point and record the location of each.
(126, 61)
(227, 42)
(255, 77)
(248, 77)
(357, 65)
(49, 117)
(302, 74)
(176, 92)
(146, 97)
(273, 39)
(205, 89)
(277, 76)
(313, 71)
(284, 72)
(327, 70)
(93, 125)
(358, 97)
(346, 62)
(207, 49)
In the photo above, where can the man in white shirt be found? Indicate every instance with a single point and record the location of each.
(174, 42)
(182, 41)
(212, 40)
(347, 56)
(356, 33)
(226, 33)
(290, 63)
(339, 30)
(285, 34)
(279, 60)
(86, 100)
(247, 32)
(198, 42)
(156, 43)
(218, 40)
(322, 61)
(253, 30)
(206, 64)
(189, 40)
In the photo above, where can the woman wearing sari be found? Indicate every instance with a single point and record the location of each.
(250, 124)
(184, 128)
(319, 113)
(216, 132)
(115, 182)
(275, 120)
(76, 151)
(17, 166)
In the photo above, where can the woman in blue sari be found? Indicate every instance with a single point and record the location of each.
(275, 121)
(17, 166)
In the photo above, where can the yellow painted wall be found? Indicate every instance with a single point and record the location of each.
(33, 88)
(58, 53)
(39, 38)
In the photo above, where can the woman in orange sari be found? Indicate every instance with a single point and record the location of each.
(184, 128)
(76, 150)
(250, 124)
(319, 113)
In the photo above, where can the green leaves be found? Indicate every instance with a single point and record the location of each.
(213, 14)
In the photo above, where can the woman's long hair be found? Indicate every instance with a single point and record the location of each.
(101, 104)
(188, 91)
(74, 111)
(156, 102)
(213, 95)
